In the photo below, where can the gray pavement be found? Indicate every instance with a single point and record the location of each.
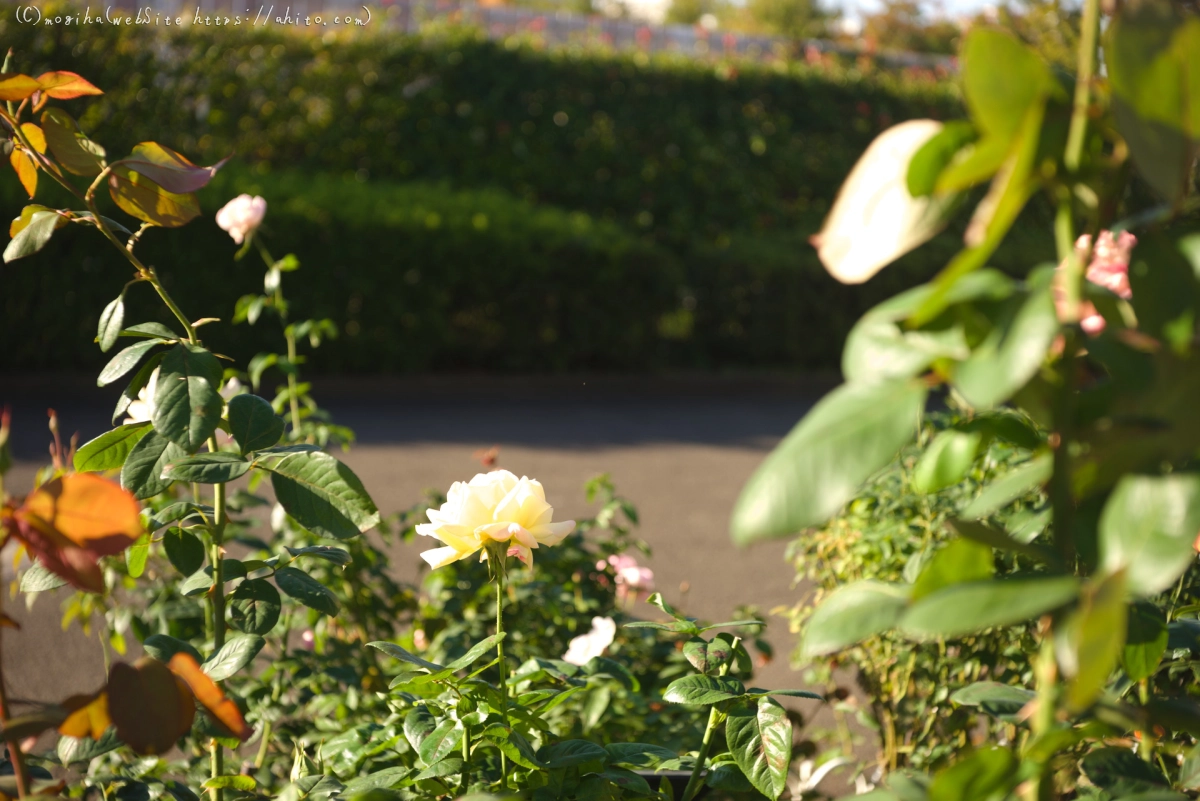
(680, 449)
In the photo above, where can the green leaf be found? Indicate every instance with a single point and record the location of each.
(139, 381)
(74, 151)
(254, 607)
(1151, 58)
(1001, 701)
(326, 552)
(253, 423)
(988, 773)
(966, 608)
(321, 494)
(33, 237)
(993, 538)
(946, 461)
(704, 690)
(479, 649)
(958, 561)
(38, 579)
(1010, 486)
(198, 584)
(235, 654)
(110, 450)
(931, 158)
(217, 467)
(1121, 771)
(1002, 78)
(441, 742)
(396, 652)
(77, 750)
(136, 556)
(235, 782)
(705, 656)
(142, 473)
(1092, 640)
(570, 753)
(418, 724)
(853, 613)
(638, 755)
(518, 749)
(111, 321)
(184, 550)
(1145, 641)
(125, 360)
(880, 346)
(307, 590)
(1014, 349)
(149, 330)
(1148, 526)
(163, 646)
(849, 435)
(187, 406)
(760, 738)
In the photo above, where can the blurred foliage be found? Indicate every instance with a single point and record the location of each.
(571, 210)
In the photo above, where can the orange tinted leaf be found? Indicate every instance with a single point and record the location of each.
(7, 622)
(19, 224)
(141, 197)
(35, 136)
(149, 706)
(87, 715)
(26, 169)
(210, 695)
(89, 511)
(63, 85)
(17, 87)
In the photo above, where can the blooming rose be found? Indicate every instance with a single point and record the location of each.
(1109, 269)
(492, 507)
(142, 408)
(634, 581)
(241, 216)
(587, 646)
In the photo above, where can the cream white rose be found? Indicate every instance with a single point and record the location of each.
(141, 409)
(241, 216)
(493, 507)
(587, 646)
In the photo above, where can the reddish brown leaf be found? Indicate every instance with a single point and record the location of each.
(150, 707)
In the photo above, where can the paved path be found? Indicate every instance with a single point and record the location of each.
(680, 449)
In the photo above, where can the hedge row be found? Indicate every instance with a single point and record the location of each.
(678, 148)
(421, 277)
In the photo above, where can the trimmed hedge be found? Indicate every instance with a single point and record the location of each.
(679, 148)
(446, 219)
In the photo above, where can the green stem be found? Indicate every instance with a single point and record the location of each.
(466, 757)
(1046, 677)
(217, 605)
(501, 666)
(1083, 84)
(288, 334)
(693, 786)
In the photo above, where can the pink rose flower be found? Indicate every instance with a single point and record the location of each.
(1109, 268)
(241, 216)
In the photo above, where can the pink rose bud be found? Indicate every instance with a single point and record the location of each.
(241, 216)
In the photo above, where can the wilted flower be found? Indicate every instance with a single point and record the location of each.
(633, 581)
(141, 409)
(241, 216)
(492, 507)
(1109, 268)
(585, 647)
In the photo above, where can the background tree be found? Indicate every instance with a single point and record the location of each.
(904, 25)
(796, 19)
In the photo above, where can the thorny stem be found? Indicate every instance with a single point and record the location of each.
(501, 666)
(217, 601)
(715, 719)
(14, 747)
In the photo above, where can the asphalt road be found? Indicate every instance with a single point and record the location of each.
(680, 449)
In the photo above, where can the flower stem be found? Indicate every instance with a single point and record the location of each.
(715, 718)
(501, 666)
(217, 604)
